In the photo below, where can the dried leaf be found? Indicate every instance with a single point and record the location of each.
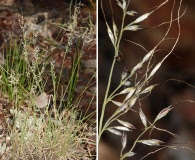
(138, 66)
(138, 90)
(132, 102)
(126, 124)
(115, 30)
(110, 34)
(42, 100)
(124, 4)
(119, 104)
(114, 131)
(124, 141)
(127, 83)
(148, 89)
(123, 107)
(129, 95)
(142, 18)
(120, 4)
(132, 13)
(128, 90)
(121, 128)
(151, 142)
(143, 117)
(130, 154)
(154, 70)
(124, 75)
(163, 113)
(133, 27)
(148, 55)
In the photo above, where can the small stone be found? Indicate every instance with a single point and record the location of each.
(90, 64)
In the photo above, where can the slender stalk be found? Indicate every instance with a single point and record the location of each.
(117, 45)
(105, 100)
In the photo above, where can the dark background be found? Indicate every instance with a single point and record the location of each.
(179, 66)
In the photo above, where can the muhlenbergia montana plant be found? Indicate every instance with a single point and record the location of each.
(142, 85)
(42, 116)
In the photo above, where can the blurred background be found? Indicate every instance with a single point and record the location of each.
(175, 78)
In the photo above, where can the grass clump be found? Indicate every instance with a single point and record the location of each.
(47, 138)
(15, 82)
(45, 118)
